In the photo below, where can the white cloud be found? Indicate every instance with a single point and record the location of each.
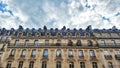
(56, 14)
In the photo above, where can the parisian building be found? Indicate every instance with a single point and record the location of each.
(59, 48)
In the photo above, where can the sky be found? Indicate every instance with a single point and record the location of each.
(58, 13)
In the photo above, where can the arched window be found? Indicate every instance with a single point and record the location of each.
(36, 43)
(26, 42)
(58, 53)
(80, 53)
(16, 43)
(47, 34)
(89, 43)
(23, 53)
(31, 65)
(29, 34)
(9, 63)
(12, 53)
(70, 53)
(58, 43)
(37, 34)
(69, 34)
(71, 64)
(70, 43)
(44, 64)
(87, 34)
(33, 54)
(78, 43)
(77, 34)
(94, 64)
(58, 64)
(92, 54)
(20, 64)
(59, 35)
(19, 34)
(82, 64)
(45, 53)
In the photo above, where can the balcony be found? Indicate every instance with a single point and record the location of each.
(108, 57)
(58, 44)
(117, 56)
(109, 45)
(82, 57)
(70, 56)
(11, 57)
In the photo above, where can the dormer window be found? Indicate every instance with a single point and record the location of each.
(29, 34)
(70, 43)
(77, 34)
(8, 33)
(69, 35)
(20, 34)
(47, 35)
(59, 35)
(37, 34)
(87, 34)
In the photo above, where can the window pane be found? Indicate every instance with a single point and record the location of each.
(58, 64)
(58, 53)
(80, 53)
(110, 64)
(9, 64)
(23, 53)
(94, 64)
(36, 43)
(71, 65)
(45, 53)
(33, 53)
(46, 42)
(82, 64)
(31, 65)
(26, 42)
(12, 52)
(16, 42)
(92, 53)
(44, 64)
(20, 64)
(70, 53)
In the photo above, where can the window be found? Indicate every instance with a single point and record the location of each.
(9, 63)
(12, 53)
(80, 53)
(69, 35)
(31, 65)
(20, 64)
(29, 34)
(3, 48)
(46, 42)
(78, 43)
(45, 53)
(110, 65)
(58, 64)
(87, 34)
(8, 33)
(58, 53)
(19, 34)
(70, 53)
(70, 43)
(37, 34)
(94, 64)
(71, 65)
(44, 64)
(47, 35)
(58, 42)
(82, 64)
(26, 42)
(33, 53)
(16, 43)
(113, 42)
(23, 53)
(0, 56)
(77, 34)
(89, 43)
(92, 54)
(102, 42)
(59, 35)
(7, 39)
(36, 43)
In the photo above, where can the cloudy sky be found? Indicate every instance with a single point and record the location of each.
(57, 13)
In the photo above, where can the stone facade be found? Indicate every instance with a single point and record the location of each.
(89, 48)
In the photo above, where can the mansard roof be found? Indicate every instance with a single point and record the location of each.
(64, 31)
